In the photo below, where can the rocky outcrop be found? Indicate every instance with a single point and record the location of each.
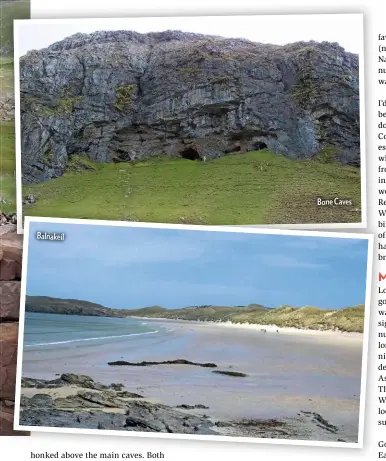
(7, 219)
(65, 402)
(122, 96)
(7, 108)
(10, 270)
(104, 407)
(10, 253)
(68, 379)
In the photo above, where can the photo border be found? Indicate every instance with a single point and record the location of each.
(216, 438)
(362, 113)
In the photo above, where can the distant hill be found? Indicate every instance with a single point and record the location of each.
(350, 319)
(48, 305)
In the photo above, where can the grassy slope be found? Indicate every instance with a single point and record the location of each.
(51, 305)
(9, 12)
(350, 319)
(7, 166)
(7, 141)
(252, 188)
(6, 76)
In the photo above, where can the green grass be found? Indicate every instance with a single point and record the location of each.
(79, 163)
(253, 188)
(6, 76)
(350, 319)
(7, 166)
(6, 63)
(9, 12)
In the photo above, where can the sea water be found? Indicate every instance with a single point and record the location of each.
(47, 330)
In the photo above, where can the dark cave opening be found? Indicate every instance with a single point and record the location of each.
(190, 154)
(259, 146)
(233, 149)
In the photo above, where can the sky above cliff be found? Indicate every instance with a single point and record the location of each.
(346, 29)
(130, 267)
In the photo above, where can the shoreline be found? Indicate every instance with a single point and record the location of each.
(260, 327)
(254, 377)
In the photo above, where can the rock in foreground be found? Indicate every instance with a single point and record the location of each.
(104, 408)
(79, 402)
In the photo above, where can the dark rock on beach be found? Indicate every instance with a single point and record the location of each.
(192, 407)
(231, 373)
(166, 362)
(321, 422)
(117, 96)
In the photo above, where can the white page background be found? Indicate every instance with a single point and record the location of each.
(375, 22)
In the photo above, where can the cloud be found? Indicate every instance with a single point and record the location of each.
(291, 262)
(323, 243)
(116, 246)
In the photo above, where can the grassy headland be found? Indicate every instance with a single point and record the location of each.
(11, 10)
(254, 188)
(350, 319)
(6, 76)
(7, 167)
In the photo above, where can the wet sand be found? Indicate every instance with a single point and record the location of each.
(286, 373)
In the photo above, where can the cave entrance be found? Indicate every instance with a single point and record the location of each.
(260, 145)
(190, 153)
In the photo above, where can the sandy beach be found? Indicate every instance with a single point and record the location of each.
(288, 374)
(329, 335)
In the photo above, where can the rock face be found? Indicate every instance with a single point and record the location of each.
(120, 96)
(8, 344)
(10, 268)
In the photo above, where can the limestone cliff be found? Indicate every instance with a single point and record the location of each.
(121, 95)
